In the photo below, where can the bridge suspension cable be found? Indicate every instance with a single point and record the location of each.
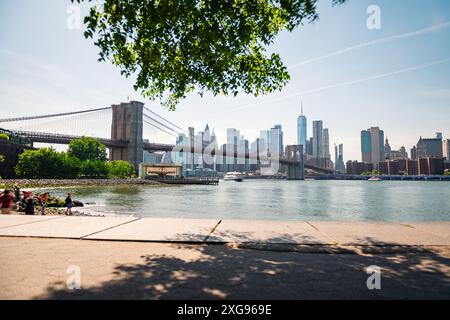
(155, 126)
(161, 124)
(196, 139)
(51, 115)
(173, 124)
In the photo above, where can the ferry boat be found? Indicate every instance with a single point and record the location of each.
(375, 179)
(233, 176)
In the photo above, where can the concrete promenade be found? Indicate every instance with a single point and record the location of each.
(227, 231)
(131, 258)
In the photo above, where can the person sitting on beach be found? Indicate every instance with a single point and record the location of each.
(28, 199)
(69, 204)
(6, 201)
(43, 200)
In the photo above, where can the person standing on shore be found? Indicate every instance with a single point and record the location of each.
(43, 199)
(18, 197)
(6, 201)
(69, 204)
(29, 202)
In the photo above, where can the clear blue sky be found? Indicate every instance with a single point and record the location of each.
(405, 85)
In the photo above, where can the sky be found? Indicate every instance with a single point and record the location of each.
(351, 77)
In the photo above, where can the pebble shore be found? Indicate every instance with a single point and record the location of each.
(45, 183)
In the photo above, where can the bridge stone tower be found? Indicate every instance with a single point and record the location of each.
(127, 125)
(295, 153)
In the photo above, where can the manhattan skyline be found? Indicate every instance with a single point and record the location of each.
(350, 77)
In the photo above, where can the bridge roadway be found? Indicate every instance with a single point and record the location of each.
(55, 138)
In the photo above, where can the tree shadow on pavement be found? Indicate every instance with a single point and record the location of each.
(276, 271)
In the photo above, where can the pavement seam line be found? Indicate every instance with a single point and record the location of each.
(420, 229)
(106, 229)
(25, 223)
(323, 233)
(212, 231)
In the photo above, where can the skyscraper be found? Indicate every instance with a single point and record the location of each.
(302, 129)
(191, 146)
(339, 158)
(264, 141)
(207, 135)
(276, 141)
(326, 144)
(318, 139)
(372, 145)
(233, 137)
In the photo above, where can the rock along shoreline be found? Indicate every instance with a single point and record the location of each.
(40, 183)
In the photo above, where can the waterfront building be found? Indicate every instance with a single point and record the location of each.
(318, 139)
(160, 171)
(429, 147)
(302, 130)
(357, 168)
(430, 166)
(436, 166)
(412, 167)
(422, 166)
(402, 166)
(393, 167)
(383, 167)
(372, 145)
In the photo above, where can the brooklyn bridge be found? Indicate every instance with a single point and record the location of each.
(127, 141)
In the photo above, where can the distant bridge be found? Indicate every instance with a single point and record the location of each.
(127, 142)
(55, 138)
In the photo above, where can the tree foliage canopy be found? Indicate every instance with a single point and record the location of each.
(47, 163)
(81, 162)
(120, 169)
(174, 47)
(87, 148)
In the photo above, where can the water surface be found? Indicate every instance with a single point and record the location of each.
(275, 200)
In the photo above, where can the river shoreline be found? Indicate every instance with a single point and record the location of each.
(40, 183)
